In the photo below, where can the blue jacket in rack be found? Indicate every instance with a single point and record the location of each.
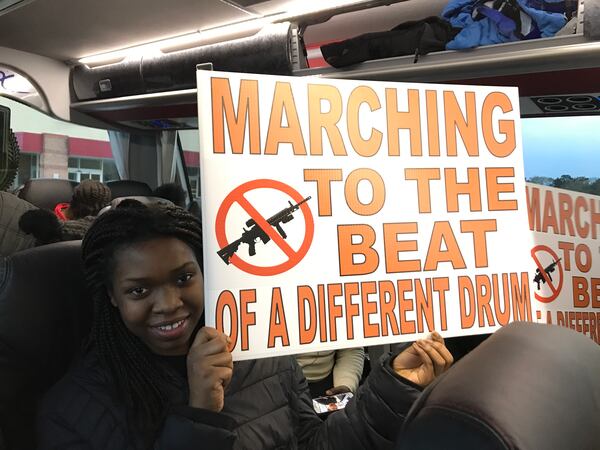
(499, 21)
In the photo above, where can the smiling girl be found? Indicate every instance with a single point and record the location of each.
(153, 377)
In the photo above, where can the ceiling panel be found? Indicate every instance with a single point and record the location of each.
(69, 29)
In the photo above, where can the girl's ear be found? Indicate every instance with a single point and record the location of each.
(112, 297)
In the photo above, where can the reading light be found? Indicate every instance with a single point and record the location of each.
(117, 56)
(216, 35)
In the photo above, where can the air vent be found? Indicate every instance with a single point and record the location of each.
(565, 104)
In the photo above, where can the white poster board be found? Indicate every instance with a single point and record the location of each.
(566, 257)
(343, 213)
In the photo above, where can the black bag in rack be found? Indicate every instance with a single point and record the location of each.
(409, 38)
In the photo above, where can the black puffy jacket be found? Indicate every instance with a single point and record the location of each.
(267, 407)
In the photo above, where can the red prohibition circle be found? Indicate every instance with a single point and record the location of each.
(555, 290)
(237, 196)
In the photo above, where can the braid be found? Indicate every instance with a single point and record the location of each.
(139, 381)
(89, 197)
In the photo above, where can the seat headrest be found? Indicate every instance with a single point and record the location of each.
(527, 387)
(44, 316)
(46, 193)
(128, 188)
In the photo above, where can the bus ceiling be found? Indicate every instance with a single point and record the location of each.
(140, 73)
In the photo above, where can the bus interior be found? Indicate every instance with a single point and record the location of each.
(107, 91)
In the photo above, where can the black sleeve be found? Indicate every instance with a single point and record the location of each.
(371, 420)
(184, 429)
(74, 419)
(187, 428)
(54, 434)
(71, 418)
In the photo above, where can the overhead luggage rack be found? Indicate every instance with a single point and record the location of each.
(554, 66)
(513, 58)
(562, 65)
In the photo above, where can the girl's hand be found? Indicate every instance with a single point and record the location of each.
(424, 360)
(209, 368)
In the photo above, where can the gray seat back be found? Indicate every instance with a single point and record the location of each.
(45, 315)
(46, 193)
(527, 387)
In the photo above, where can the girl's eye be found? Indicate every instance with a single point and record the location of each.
(184, 278)
(137, 292)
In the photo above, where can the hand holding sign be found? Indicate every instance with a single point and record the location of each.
(424, 360)
(209, 367)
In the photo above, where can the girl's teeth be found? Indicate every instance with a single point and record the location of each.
(171, 326)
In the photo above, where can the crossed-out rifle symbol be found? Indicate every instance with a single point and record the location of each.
(539, 278)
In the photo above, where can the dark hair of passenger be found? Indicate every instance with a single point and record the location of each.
(42, 224)
(172, 192)
(89, 197)
(138, 379)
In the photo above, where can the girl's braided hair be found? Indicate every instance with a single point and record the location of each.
(89, 197)
(138, 379)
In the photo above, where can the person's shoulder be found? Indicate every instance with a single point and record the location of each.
(11, 204)
(85, 389)
(76, 229)
(82, 408)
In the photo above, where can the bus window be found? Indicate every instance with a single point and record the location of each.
(94, 169)
(51, 148)
(17, 86)
(191, 154)
(562, 152)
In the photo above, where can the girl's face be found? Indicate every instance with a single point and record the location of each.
(158, 289)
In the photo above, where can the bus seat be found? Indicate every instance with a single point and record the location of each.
(460, 346)
(128, 188)
(44, 316)
(45, 193)
(528, 387)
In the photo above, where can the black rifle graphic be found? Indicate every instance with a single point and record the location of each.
(539, 278)
(254, 232)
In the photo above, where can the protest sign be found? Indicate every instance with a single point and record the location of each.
(566, 256)
(342, 213)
